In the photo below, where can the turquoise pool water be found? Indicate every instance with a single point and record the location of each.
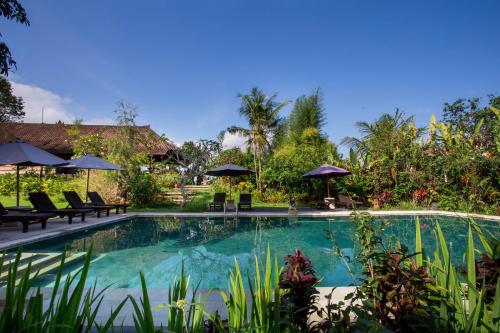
(208, 246)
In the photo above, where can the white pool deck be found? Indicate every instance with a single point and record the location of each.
(12, 237)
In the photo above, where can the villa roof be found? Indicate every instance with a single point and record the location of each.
(55, 138)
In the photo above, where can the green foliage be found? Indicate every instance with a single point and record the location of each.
(456, 167)
(262, 114)
(142, 189)
(289, 163)
(11, 106)
(307, 113)
(406, 292)
(11, 10)
(71, 307)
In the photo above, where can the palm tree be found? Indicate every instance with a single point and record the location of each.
(262, 113)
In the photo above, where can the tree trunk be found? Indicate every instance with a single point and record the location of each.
(183, 190)
(255, 166)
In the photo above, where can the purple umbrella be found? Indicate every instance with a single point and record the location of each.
(20, 153)
(229, 170)
(327, 171)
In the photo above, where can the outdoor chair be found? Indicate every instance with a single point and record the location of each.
(25, 218)
(96, 199)
(347, 202)
(43, 204)
(245, 201)
(77, 203)
(219, 202)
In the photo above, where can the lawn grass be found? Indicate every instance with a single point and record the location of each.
(10, 200)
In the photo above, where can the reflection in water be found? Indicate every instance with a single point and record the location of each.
(209, 246)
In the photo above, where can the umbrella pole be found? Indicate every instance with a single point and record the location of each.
(328, 186)
(87, 192)
(17, 185)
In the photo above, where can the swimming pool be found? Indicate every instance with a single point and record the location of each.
(208, 246)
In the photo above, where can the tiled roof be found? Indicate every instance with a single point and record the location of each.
(55, 138)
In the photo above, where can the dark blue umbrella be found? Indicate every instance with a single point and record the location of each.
(90, 162)
(229, 170)
(20, 153)
(327, 171)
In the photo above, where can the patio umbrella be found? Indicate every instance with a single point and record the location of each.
(20, 153)
(229, 170)
(90, 162)
(327, 171)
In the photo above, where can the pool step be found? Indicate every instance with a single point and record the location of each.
(41, 262)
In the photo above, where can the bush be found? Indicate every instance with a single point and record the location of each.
(7, 184)
(142, 190)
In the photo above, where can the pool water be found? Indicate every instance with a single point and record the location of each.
(208, 246)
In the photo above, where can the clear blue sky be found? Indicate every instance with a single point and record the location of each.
(183, 62)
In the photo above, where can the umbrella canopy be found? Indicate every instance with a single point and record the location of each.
(229, 170)
(327, 171)
(89, 162)
(20, 153)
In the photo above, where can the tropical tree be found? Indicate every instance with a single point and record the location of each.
(11, 10)
(11, 106)
(389, 147)
(262, 114)
(193, 159)
(308, 112)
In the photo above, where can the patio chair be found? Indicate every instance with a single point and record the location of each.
(25, 218)
(96, 199)
(347, 202)
(219, 202)
(43, 204)
(77, 203)
(245, 201)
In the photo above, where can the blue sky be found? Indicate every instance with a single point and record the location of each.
(183, 62)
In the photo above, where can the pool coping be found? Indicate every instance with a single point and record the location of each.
(99, 222)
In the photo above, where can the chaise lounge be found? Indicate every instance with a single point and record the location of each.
(96, 199)
(76, 202)
(219, 202)
(25, 218)
(43, 204)
(245, 201)
(347, 202)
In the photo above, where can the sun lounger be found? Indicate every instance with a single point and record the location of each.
(347, 202)
(96, 199)
(43, 204)
(219, 202)
(245, 201)
(26, 218)
(77, 203)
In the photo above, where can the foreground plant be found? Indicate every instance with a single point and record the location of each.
(72, 307)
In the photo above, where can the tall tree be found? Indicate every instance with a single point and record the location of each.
(11, 107)
(11, 10)
(308, 112)
(262, 114)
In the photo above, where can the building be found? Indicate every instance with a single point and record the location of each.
(56, 138)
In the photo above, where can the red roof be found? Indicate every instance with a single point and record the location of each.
(55, 138)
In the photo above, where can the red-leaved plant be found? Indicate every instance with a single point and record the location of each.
(299, 279)
(419, 195)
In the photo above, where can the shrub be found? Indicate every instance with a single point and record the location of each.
(142, 190)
